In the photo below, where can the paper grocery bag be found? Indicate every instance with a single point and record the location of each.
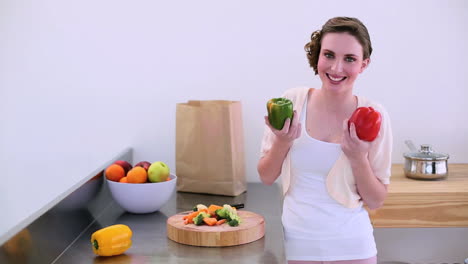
(210, 148)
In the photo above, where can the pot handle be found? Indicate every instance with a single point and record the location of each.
(410, 145)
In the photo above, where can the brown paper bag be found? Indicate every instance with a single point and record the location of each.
(210, 148)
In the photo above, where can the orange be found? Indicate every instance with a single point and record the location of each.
(137, 175)
(115, 172)
(124, 179)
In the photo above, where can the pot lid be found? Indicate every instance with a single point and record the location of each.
(426, 153)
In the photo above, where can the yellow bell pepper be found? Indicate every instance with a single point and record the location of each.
(112, 240)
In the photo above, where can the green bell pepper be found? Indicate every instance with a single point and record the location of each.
(279, 109)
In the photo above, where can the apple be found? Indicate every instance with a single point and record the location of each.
(158, 172)
(144, 164)
(125, 165)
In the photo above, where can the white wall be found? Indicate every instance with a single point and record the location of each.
(81, 80)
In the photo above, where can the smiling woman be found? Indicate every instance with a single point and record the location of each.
(340, 61)
(328, 172)
(338, 25)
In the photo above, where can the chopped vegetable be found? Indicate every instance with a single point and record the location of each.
(234, 222)
(211, 221)
(220, 222)
(213, 215)
(226, 211)
(212, 209)
(222, 213)
(230, 214)
(190, 217)
(198, 220)
(198, 207)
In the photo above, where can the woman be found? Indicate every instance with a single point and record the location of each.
(327, 172)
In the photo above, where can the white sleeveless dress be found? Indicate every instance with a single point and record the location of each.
(316, 227)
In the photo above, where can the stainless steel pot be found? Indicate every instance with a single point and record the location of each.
(425, 164)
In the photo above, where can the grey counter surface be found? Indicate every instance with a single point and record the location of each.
(61, 234)
(151, 245)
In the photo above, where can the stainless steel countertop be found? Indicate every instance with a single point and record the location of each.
(62, 232)
(151, 245)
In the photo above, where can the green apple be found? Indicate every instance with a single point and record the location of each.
(158, 172)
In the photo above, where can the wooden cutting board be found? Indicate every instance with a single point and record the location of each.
(252, 228)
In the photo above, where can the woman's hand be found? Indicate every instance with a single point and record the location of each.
(270, 165)
(289, 132)
(371, 190)
(354, 148)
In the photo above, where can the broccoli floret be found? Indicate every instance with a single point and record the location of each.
(223, 213)
(227, 212)
(198, 220)
(234, 222)
(233, 216)
(229, 208)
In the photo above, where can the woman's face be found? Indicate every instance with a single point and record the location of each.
(340, 61)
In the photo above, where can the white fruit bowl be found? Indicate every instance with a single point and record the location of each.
(142, 198)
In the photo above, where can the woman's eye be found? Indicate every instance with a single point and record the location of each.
(328, 55)
(350, 59)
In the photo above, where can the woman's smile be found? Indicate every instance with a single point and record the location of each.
(340, 61)
(335, 79)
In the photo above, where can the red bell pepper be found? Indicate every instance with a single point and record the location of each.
(367, 122)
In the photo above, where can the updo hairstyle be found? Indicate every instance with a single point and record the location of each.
(349, 25)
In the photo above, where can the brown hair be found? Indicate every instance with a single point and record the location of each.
(349, 25)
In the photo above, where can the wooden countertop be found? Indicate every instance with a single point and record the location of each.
(418, 203)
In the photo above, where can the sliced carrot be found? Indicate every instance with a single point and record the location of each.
(213, 214)
(191, 216)
(212, 209)
(220, 222)
(210, 221)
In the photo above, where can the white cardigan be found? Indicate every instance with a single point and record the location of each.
(340, 181)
